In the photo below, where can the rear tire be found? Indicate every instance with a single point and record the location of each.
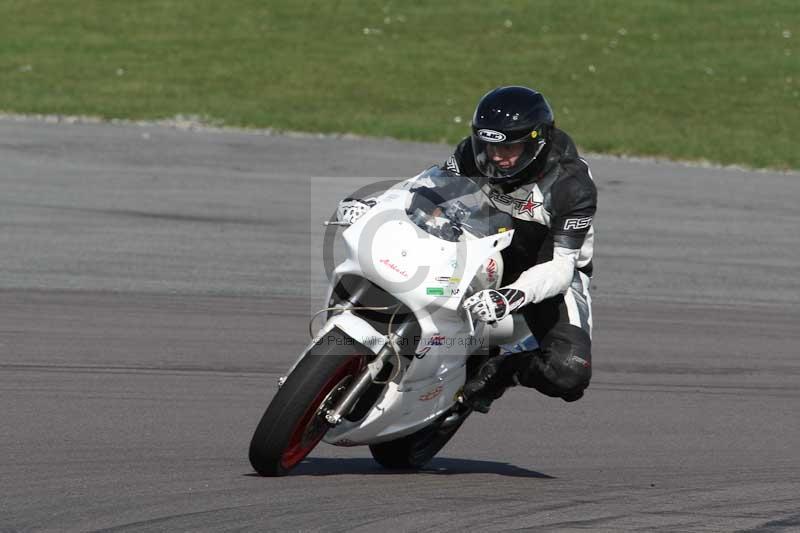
(414, 451)
(293, 425)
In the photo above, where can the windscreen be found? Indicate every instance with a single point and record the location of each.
(453, 207)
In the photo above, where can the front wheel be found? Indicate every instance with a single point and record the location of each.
(294, 422)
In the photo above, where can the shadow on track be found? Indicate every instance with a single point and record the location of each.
(325, 466)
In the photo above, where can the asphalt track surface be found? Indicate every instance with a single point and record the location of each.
(154, 283)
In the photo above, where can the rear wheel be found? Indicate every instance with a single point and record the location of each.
(294, 422)
(416, 450)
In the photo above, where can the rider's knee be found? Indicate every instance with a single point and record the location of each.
(573, 378)
(562, 367)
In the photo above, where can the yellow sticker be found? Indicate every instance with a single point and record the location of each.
(534, 134)
(502, 230)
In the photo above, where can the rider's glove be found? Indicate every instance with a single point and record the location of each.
(351, 209)
(492, 305)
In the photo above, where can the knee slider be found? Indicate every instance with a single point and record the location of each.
(574, 377)
(562, 368)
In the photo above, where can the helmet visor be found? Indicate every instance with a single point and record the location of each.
(504, 159)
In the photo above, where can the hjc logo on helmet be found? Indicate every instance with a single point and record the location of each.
(491, 136)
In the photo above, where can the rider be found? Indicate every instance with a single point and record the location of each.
(540, 180)
(537, 176)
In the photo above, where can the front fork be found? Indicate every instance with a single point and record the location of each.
(347, 401)
(367, 377)
(335, 415)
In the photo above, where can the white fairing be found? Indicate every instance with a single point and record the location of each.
(431, 276)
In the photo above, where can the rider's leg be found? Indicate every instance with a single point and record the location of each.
(561, 367)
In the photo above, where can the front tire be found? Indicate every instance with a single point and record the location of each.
(294, 423)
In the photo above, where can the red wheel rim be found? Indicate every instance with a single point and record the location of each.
(311, 428)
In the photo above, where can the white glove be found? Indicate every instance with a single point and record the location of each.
(492, 305)
(351, 209)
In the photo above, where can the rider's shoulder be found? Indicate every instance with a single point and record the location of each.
(464, 148)
(574, 170)
(574, 183)
(573, 191)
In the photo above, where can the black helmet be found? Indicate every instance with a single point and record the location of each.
(510, 116)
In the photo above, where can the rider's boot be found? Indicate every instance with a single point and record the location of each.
(492, 379)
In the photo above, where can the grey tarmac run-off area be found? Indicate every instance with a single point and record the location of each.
(154, 283)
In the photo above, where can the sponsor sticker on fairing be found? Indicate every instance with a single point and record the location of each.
(449, 291)
(491, 270)
(394, 267)
(423, 352)
(432, 394)
(437, 340)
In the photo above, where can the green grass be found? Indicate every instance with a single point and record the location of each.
(689, 79)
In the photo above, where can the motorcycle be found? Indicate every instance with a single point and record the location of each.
(387, 367)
